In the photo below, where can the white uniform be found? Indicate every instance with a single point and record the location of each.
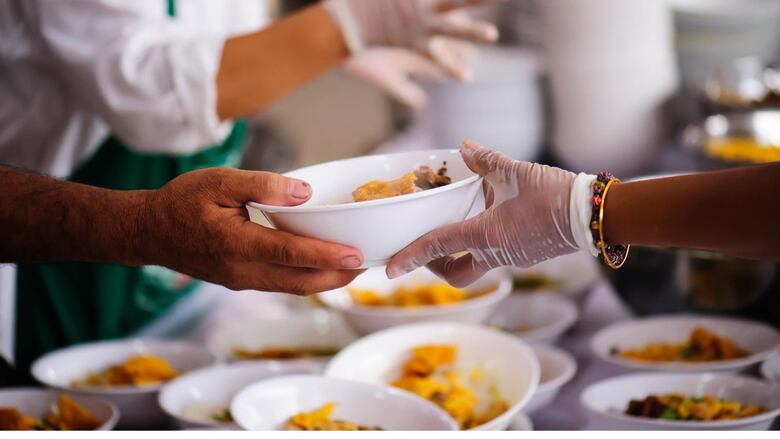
(73, 71)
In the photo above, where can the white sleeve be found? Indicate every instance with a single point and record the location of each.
(150, 78)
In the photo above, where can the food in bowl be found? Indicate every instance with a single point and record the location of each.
(679, 407)
(320, 420)
(66, 414)
(138, 371)
(422, 179)
(414, 295)
(535, 282)
(283, 353)
(205, 412)
(468, 396)
(702, 345)
(741, 149)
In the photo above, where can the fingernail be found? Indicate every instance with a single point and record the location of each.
(395, 272)
(468, 146)
(300, 189)
(351, 262)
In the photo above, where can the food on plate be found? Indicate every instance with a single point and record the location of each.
(676, 406)
(467, 395)
(741, 149)
(534, 282)
(203, 411)
(702, 345)
(413, 295)
(139, 370)
(319, 420)
(422, 179)
(66, 414)
(283, 353)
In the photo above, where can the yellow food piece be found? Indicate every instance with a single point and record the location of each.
(140, 370)
(66, 415)
(702, 345)
(742, 149)
(319, 420)
(704, 408)
(411, 296)
(377, 190)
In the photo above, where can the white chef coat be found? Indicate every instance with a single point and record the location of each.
(73, 71)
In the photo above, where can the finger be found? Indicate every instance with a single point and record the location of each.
(419, 66)
(441, 51)
(439, 243)
(485, 161)
(465, 29)
(237, 187)
(451, 5)
(286, 249)
(459, 272)
(490, 196)
(303, 282)
(407, 91)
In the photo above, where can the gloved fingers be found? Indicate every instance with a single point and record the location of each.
(444, 241)
(490, 195)
(451, 5)
(458, 271)
(491, 164)
(461, 26)
(448, 56)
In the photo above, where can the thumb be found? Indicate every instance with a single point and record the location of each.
(263, 187)
(486, 161)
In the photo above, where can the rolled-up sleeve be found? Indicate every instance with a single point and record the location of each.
(150, 78)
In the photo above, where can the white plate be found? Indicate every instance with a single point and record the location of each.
(547, 316)
(557, 369)
(576, 274)
(379, 228)
(607, 400)
(38, 403)
(770, 368)
(378, 358)
(366, 319)
(267, 405)
(138, 405)
(761, 340)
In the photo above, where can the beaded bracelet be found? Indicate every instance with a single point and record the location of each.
(614, 255)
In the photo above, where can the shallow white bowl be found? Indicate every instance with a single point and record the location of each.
(557, 369)
(607, 400)
(138, 405)
(508, 360)
(268, 404)
(576, 274)
(314, 328)
(367, 319)
(378, 228)
(761, 340)
(770, 368)
(193, 397)
(547, 316)
(38, 403)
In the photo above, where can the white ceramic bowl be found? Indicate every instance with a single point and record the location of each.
(138, 405)
(770, 368)
(575, 274)
(378, 228)
(557, 369)
(267, 405)
(521, 423)
(607, 400)
(38, 403)
(508, 360)
(313, 328)
(193, 398)
(367, 319)
(536, 318)
(761, 340)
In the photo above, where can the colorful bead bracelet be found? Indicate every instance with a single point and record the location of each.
(614, 255)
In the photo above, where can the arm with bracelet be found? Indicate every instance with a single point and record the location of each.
(536, 212)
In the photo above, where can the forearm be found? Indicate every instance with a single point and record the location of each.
(736, 212)
(48, 220)
(259, 68)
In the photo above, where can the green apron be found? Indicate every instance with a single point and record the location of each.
(67, 303)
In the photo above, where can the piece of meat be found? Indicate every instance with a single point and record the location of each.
(428, 179)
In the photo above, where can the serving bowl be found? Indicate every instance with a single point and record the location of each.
(194, 399)
(770, 368)
(606, 400)
(760, 340)
(536, 318)
(305, 329)
(571, 276)
(268, 404)
(378, 228)
(378, 358)
(38, 403)
(138, 405)
(366, 319)
(557, 369)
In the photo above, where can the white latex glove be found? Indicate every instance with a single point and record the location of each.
(426, 26)
(396, 71)
(529, 218)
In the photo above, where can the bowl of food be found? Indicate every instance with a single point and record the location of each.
(311, 336)
(373, 302)
(47, 410)
(686, 343)
(378, 204)
(536, 318)
(572, 276)
(309, 402)
(660, 401)
(737, 138)
(557, 369)
(481, 376)
(129, 373)
(770, 368)
(201, 399)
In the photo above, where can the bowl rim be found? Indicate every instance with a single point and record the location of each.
(386, 390)
(40, 376)
(698, 367)
(565, 358)
(767, 416)
(302, 209)
(554, 329)
(771, 363)
(109, 423)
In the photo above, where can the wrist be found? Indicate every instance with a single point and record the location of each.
(581, 211)
(341, 13)
(136, 221)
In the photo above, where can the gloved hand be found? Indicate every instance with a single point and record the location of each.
(426, 26)
(528, 219)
